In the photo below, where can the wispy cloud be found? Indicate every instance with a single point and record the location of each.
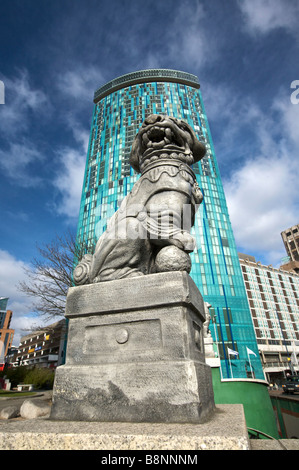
(187, 37)
(76, 87)
(170, 35)
(21, 158)
(239, 121)
(17, 159)
(12, 271)
(262, 201)
(263, 16)
(79, 83)
(289, 120)
(21, 100)
(24, 107)
(68, 182)
(262, 193)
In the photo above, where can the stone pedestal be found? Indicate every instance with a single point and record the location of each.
(135, 353)
(226, 430)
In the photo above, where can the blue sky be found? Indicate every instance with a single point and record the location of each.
(53, 55)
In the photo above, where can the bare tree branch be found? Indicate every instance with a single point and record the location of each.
(50, 275)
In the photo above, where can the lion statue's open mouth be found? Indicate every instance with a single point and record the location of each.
(162, 135)
(165, 137)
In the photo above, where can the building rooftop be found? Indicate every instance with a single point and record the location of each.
(142, 76)
(244, 257)
(42, 330)
(283, 269)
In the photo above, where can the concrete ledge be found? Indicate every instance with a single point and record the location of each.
(130, 294)
(225, 431)
(280, 444)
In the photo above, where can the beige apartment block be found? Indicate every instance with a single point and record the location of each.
(273, 297)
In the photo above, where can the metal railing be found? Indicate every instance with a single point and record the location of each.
(256, 434)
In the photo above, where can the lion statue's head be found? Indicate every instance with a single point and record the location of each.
(165, 137)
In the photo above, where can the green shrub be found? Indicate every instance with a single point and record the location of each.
(16, 375)
(40, 377)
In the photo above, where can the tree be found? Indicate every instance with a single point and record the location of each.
(50, 275)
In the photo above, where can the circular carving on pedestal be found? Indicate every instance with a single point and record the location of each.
(122, 336)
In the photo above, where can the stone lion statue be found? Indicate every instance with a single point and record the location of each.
(150, 232)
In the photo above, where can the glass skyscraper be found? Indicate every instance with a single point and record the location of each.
(120, 107)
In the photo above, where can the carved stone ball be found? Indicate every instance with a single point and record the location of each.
(172, 258)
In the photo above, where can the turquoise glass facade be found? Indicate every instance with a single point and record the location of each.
(120, 108)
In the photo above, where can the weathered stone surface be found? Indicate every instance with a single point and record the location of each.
(152, 291)
(273, 444)
(10, 412)
(225, 431)
(133, 392)
(32, 409)
(135, 353)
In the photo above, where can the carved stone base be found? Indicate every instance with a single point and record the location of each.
(135, 353)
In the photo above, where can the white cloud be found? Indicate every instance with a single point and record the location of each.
(79, 84)
(262, 195)
(184, 41)
(241, 125)
(187, 36)
(24, 104)
(80, 134)
(262, 201)
(21, 98)
(289, 117)
(17, 160)
(262, 16)
(69, 182)
(12, 271)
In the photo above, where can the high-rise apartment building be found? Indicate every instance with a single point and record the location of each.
(120, 107)
(290, 238)
(6, 333)
(273, 296)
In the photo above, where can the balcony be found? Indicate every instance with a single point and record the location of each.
(43, 359)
